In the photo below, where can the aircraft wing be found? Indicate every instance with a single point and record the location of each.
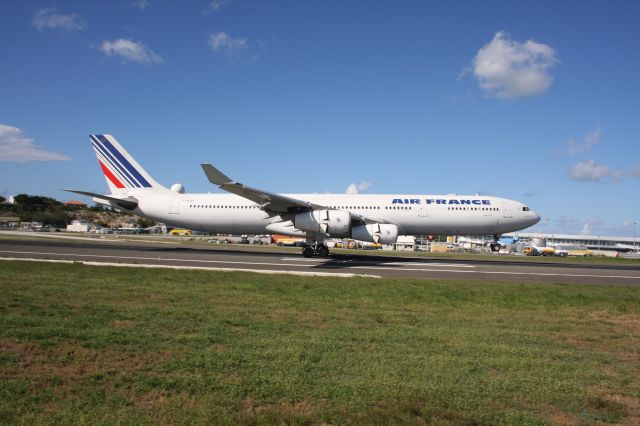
(267, 200)
(128, 203)
(274, 202)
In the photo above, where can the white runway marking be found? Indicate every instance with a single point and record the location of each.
(201, 268)
(302, 259)
(427, 265)
(298, 265)
(541, 274)
(103, 256)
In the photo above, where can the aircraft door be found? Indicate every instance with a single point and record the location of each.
(423, 210)
(507, 212)
(174, 206)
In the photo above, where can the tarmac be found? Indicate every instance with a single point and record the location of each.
(273, 260)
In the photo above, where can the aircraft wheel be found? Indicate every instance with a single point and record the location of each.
(495, 247)
(322, 251)
(307, 251)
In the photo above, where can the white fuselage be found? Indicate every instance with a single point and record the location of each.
(413, 214)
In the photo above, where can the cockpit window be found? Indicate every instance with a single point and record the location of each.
(525, 208)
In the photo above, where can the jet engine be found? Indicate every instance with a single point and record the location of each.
(379, 233)
(336, 223)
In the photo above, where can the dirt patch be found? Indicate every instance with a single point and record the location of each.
(238, 329)
(217, 347)
(496, 374)
(281, 409)
(72, 362)
(632, 406)
(298, 408)
(122, 324)
(561, 418)
(18, 349)
(152, 399)
(629, 323)
(620, 338)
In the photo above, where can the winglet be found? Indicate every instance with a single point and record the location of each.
(214, 175)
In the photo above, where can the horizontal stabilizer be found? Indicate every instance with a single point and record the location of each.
(128, 203)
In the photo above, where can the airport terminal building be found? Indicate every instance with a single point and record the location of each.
(593, 242)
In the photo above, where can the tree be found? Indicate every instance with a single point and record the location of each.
(56, 218)
(41, 209)
(143, 222)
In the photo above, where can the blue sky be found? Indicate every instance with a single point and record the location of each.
(538, 102)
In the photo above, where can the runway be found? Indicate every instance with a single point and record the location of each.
(269, 260)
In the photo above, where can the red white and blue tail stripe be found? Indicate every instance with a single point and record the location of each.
(120, 169)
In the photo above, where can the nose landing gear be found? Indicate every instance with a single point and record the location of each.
(317, 249)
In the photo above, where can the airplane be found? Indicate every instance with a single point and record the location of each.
(316, 217)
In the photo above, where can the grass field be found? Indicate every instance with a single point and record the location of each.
(83, 344)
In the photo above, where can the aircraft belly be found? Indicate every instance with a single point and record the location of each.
(450, 224)
(225, 223)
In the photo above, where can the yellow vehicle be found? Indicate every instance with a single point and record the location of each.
(373, 246)
(586, 252)
(539, 251)
(574, 250)
(184, 232)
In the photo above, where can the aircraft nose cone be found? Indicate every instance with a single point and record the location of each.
(535, 219)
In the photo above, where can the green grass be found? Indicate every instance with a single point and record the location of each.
(82, 344)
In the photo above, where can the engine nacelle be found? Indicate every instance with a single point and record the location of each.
(379, 233)
(335, 223)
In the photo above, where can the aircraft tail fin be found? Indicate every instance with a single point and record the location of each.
(120, 169)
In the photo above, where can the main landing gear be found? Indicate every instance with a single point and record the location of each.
(316, 249)
(495, 245)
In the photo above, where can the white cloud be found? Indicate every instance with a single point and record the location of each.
(131, 51)
(589, 224)
(510, 69)
(140, 4)
(214, 6)
(356, 189)
(585, 226)
(574, 147)
(570, 225)
(15, 146)
(49, 18)
(231, 47)
(589, 171)
(634, 172)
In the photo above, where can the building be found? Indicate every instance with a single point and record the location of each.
(405, 243)
(31, 225)
(593, 242)
(9, 222)
(77, 204)
(79, 226)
